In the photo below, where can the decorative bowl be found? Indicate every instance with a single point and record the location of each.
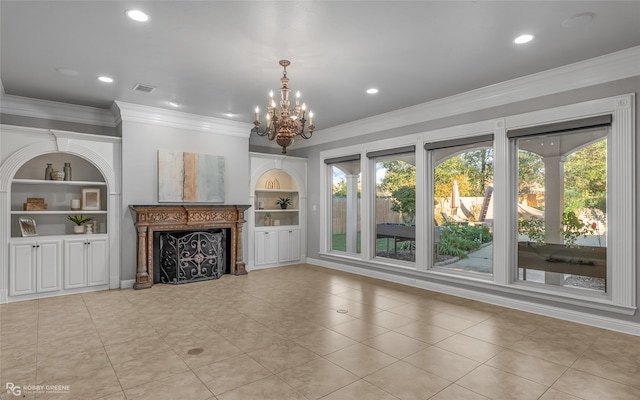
(57, 175)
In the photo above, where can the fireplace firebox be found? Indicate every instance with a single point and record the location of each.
(190, 256)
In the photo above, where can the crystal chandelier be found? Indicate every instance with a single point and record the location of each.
(284, 124)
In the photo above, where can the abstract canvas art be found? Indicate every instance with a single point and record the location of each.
(190, 177)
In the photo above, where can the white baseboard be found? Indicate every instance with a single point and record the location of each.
(598, 321)
(4, 296)
(257, 267)
(128, 284)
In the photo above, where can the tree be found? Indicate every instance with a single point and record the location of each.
(398, 174)
(444, 175)
(585, 177)
(340, 189)
(400, 183)
(472, 169)
(530, 172)
(480, 170)
(404, 202)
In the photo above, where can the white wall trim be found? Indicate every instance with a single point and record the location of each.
(607, 68)
(127, 284)
(129, 112)
(613, 324)
(53, 110)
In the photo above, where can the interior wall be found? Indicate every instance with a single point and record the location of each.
(620, 87)
(140, 145)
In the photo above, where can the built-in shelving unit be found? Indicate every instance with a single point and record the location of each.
(278, 234)
(41, 256)
(269, 213)
(58, 196)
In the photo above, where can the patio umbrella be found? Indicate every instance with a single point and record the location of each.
(455, 198)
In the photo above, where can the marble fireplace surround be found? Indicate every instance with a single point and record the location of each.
(153, 218)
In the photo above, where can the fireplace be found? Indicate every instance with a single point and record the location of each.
(221, 225)
(190, 256)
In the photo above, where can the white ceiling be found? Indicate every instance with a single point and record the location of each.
(215, 57)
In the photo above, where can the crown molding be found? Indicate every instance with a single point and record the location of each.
(53, 110)
(128, 112)
(611, 67)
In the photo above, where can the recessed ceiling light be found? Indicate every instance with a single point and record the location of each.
(578, 20)
(137, 15)
(67, 71)
(230, 114)
(174, 104)
(526, 38)
(105, 79)
(372, 91)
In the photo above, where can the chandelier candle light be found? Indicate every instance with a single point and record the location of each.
(284, 124)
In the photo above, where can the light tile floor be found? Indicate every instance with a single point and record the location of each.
(277, 334)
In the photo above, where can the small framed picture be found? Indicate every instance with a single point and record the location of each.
(28, 226)
(91, 199)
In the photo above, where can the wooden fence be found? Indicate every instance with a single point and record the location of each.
(383, 213)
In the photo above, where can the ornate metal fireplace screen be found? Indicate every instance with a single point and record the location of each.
(191, 256)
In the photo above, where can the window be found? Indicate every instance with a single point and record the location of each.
(562, 209)
(577, 196)
(462, 204)
(395, 203)
(345, 175)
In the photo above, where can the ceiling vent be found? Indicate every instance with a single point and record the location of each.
(143, 88)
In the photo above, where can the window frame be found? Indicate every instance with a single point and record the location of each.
(430, 148)
(621, 202)
(329, 163)
(373, 157)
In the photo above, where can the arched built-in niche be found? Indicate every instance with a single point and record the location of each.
(94, 158)
(277, 236)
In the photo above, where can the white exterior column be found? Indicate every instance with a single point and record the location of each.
(553, 207)
(352, 213)
(553, 197)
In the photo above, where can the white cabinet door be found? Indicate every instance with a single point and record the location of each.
(97, 262)
(289, 245)
(48, 265)
(75, 263)
(266, 247)
(34, 267)
(22, 268)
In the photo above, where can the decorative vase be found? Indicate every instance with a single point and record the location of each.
(57, 175)
(96, 225)
(67, 171)
(47, 172)
(78, 229)
(88, 228)
(75, 204)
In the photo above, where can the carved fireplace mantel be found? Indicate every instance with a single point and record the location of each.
(152, 218)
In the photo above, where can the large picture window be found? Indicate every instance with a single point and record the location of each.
(345, 175)
(395, 203)
(562, 207)
(462, 204)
